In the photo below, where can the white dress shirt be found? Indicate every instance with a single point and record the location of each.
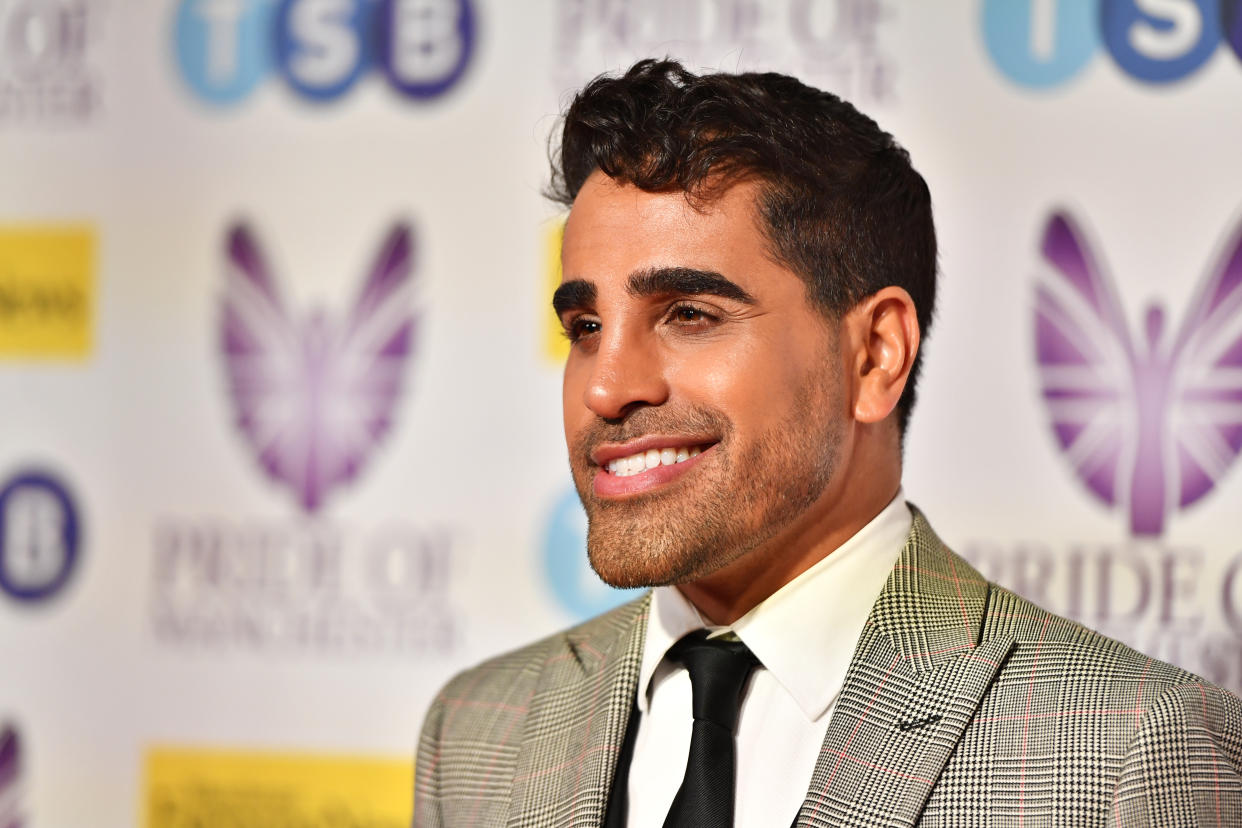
(804, 636)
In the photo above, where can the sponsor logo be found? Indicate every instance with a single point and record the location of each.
(10, 778)
(47, 287)
(313, 396)
(834, 44)
(211, 787)
(575, 585)
(46, 72)
(1149, 422)
(40, 536)
(1041, 44)
(321, 48)
(326, 588)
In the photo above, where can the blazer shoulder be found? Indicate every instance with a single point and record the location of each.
(479, 719)
(1098, 732)
(1082, 655)
(476, 721)
(520, 668)
(1183, 761)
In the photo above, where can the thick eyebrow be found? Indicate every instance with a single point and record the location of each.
(686, 281)
(657, 281)
(574, 294)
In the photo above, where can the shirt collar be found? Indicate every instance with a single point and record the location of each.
(805, 632)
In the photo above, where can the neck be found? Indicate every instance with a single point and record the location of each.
(846, 506)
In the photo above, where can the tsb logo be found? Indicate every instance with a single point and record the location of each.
(39, 536)
(1044, 43)
(322, 47)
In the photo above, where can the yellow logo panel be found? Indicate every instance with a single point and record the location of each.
(222, 788)
(47, 291)
(555, 345)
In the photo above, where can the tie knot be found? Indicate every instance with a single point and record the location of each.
(718, 671)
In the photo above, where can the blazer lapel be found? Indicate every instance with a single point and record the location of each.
(576, 724)
(917, 676)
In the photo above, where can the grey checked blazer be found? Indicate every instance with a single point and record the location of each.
(964, 705)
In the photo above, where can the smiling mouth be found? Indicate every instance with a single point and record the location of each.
(642, 461)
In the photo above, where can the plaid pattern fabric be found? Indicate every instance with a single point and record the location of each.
(964, 705)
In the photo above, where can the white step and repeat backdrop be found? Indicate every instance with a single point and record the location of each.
(280, 440)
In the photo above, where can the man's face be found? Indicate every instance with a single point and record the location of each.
(703, 397)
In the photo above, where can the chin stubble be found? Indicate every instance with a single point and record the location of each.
(736, 505)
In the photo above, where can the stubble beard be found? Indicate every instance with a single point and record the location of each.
(739, 500)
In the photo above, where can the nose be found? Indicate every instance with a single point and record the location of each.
(628, 373)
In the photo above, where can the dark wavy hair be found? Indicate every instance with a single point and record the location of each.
(840, 204)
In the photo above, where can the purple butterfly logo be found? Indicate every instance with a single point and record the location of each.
(1153, 426)
(314, 396)
(10, 769)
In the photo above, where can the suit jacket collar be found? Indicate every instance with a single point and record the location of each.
(918, 674)
(931, 608)
(576, 724)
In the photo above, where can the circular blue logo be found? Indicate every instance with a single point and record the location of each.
(39, 536)
(222, 47)
(1163, 41)
(1040, 43)
(321, 45)
(425, 45)
(575, 584)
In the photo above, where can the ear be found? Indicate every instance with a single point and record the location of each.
(884, 330)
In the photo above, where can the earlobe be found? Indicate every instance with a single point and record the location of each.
(887, 335)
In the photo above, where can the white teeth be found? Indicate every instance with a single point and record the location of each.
(644, 460)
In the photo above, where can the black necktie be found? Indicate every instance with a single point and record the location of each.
(718, 672)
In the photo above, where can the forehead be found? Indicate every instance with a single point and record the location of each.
(615, 230)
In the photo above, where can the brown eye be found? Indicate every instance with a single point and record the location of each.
(581, 327)
(690, 315)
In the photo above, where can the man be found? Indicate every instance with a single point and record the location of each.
(749, 267)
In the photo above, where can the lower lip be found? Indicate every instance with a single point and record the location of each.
(614, 485)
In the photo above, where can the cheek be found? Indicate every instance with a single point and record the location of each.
(756, 381)
(570, 401)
